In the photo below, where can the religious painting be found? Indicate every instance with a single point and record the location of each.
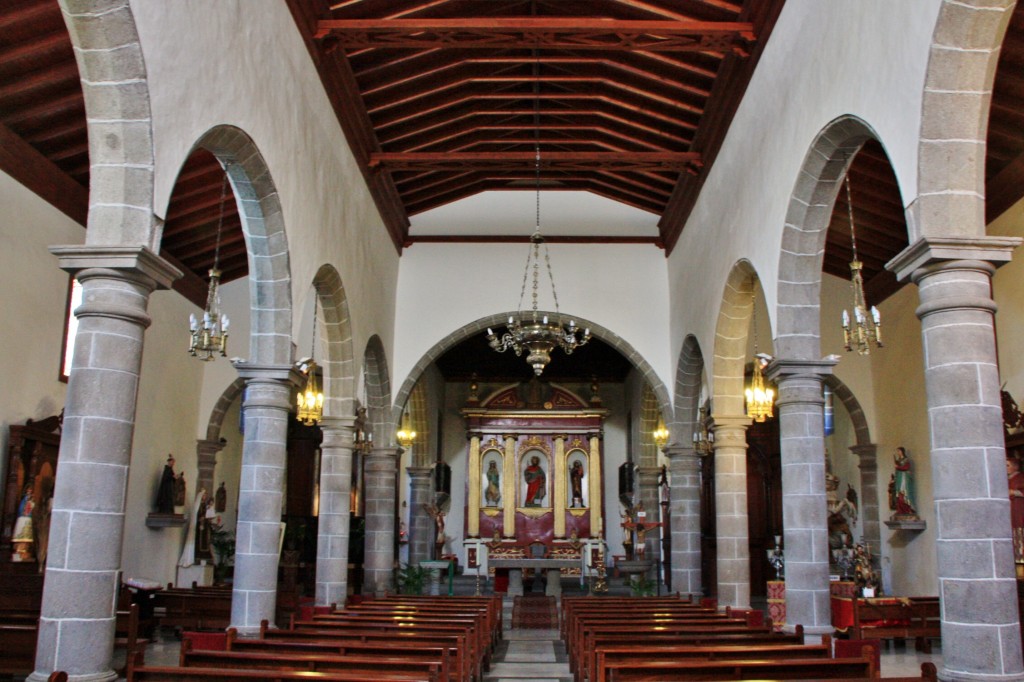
(535, 471)
(490, 481)
(578, 479)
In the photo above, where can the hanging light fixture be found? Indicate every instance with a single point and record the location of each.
(310, 400)
(406, 436)
(868, 326)
(211, 335)
(760, 398)
(660, 435)
(703, 438)
(532, 332)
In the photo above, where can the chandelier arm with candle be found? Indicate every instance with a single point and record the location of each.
(532, 333)
(210, 336)
(867, 325)
(760, 398)
(703, 438)
(310, 400)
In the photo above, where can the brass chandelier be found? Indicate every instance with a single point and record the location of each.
(211, 335)
(868, 327)
(703, 437)
(531, 332)
(310, 400)
(760, 398)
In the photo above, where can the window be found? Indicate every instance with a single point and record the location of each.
(70, 328)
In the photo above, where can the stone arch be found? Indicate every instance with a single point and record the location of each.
(119, 119)
(803, 237)
(731, 339)
(378, 392)
(689, 378)
(499, 319)
(338, 361)
(954, 118)
(853, 408)
(259, 208)
(223, 404)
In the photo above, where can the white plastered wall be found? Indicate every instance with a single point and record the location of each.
(442, 288)
(244, 64)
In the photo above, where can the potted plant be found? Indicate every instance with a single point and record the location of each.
(223, 542)
(411, 579)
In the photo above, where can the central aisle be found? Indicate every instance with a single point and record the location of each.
(537, 655)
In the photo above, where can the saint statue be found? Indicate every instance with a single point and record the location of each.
(576, 483)
(220, 499)
(165, 494)
(22, 538)
(493, 493)
(901, 486)
(536, 480)
(179, 490)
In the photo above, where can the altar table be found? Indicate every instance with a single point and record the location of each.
(515, 574)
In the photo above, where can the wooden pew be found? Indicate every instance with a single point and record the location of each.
(138, 671)
(916, 618)
(193, 610)
(465, 668)
(755, 669)
(491, 607)
(18, 648)
(603, 639)
(606, 656)
(126, 634)
(442, 655)
(490, 632)
(370, 665)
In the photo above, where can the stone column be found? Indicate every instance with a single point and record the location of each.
(378, 562)
(869, 509)
(559, 475)
(596, 499)
(733, 529)
(206, 463)
(801, 406)
(473, 496)
(421, 526)
(510, 488)
(649, 496)
(76, 626)
(264, 451)
(684, 510)
(980, 623)
(335, 510)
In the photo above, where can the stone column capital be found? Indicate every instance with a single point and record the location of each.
(725, 422)
(867, 453)
(928, 251)
(780, 369)
(128, 261)
(206, 446)
(252, 371)
(338, 423)
(648, 475)
(419, 473)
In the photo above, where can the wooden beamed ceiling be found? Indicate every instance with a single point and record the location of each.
(442, 99)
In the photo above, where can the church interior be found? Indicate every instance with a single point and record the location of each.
(337, 299)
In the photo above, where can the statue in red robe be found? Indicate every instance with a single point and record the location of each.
(535, 483)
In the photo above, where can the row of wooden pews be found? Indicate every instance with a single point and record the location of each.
(438, 639)
(643, 639)
(195, 608)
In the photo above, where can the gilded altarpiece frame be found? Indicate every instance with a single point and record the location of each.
(509, 430)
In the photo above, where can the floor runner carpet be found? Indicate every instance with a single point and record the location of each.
(535, 612)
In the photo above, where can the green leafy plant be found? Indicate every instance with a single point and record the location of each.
(411, 579)
(642, 586)
(223, 542)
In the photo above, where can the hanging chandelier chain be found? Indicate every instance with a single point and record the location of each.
(849, 211)
(753, 315)
(220, 219)
(312, 350)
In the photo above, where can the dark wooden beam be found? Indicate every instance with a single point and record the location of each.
(26, 165)
(540, 32)
(499, 161)
(190, 285)
(1005, 189)
(525, 239)
(342, 90)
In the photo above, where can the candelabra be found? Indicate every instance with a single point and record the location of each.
(843, 557)
(868, 327)
(703, 438)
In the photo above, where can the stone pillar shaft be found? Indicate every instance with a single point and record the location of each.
(335, 510)
(800, 407)
(648, 479)
(421, 526)
(684, 511)
(260, 491)
(379, 559)
(980, 623)
(869, 510)
(561, 492)
(474, 492)
(733, 529)
(76, 625)
(206, 463)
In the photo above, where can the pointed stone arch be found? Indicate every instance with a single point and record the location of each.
(380, 470)
(731, 333)
(339, 359)
(803, 237)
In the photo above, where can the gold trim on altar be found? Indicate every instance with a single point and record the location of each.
(491, 511)
(534, 512)
(578, 511)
